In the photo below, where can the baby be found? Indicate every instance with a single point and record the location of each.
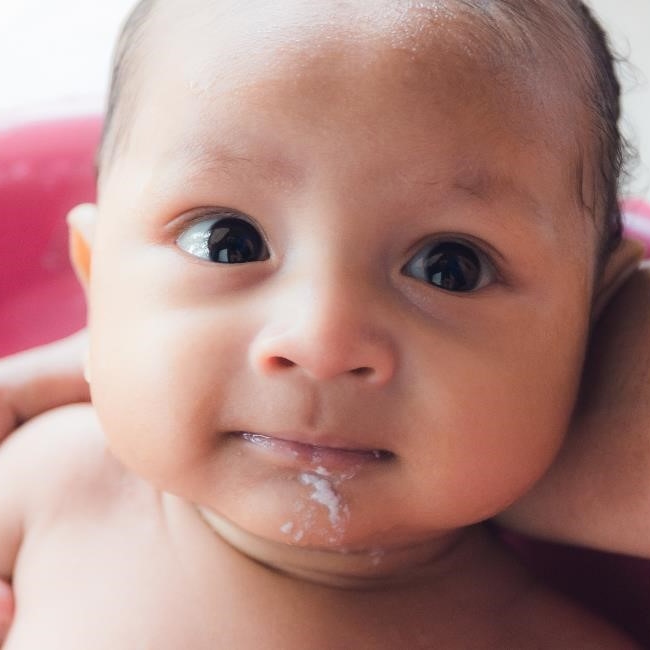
(341, 277)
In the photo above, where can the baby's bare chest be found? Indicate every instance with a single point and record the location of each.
(111, 580)
(118, 581)
(105, 583)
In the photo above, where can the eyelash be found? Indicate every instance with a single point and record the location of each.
(425, 266)
(197, 237)
(451, 264)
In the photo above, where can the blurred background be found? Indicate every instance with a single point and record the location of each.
(55, 59)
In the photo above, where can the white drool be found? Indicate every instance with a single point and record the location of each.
(323, 493)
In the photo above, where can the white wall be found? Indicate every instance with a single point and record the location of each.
(628, 23)
(54, 56)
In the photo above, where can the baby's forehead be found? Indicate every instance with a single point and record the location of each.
(267, 36)
(409, 25)
(390, 62)
(212, 46)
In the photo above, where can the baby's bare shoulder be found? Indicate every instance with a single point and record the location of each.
(60, 457)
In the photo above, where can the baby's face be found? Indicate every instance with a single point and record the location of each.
(340, 288)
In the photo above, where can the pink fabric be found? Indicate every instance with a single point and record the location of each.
(637, 221)
(45, 169)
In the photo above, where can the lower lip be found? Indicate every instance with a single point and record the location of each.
(327, 458)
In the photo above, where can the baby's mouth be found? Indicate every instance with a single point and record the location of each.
(320, 457)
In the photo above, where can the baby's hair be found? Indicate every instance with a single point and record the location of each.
(556, 30)
(122, 92)
(568, 25)
(604, 104)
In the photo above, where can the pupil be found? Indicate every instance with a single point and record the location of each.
(234, 241)
(453, 267)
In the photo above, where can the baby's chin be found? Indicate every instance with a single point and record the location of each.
(329, 561)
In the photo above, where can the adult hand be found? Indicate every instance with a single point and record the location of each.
(6, 610)
(37, 380)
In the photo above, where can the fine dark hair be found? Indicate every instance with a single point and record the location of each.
(605, 107)
(567, 28)
(122, 93)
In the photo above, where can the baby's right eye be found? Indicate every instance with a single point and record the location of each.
(226, 239)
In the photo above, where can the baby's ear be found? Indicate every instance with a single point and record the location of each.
(622, 262)
(81, 224)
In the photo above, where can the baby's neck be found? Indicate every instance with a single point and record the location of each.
(364, 569)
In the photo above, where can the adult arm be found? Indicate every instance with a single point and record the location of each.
(597, 493)
(37, 380)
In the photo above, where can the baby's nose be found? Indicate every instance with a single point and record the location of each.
(323, 336)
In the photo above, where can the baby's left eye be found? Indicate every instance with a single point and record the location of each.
(452, 266)
(228, 239)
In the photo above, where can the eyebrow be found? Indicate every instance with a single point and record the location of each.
(485, 185)
(474, 181)
(206, 158)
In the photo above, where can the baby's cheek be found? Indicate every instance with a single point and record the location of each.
(498, 419)
(156, 394)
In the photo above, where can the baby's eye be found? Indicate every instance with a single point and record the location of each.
(225, 240)
(452, 266)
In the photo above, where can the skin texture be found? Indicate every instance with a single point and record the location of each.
(602, 470)
(327, 345)
(295, 330)
(40, 379)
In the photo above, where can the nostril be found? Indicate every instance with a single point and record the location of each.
(281, 362)
(363, 372)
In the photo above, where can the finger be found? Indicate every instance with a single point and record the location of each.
(7, 608)
(37, 380)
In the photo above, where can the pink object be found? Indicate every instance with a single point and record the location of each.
(45, 169)
(637, 222)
